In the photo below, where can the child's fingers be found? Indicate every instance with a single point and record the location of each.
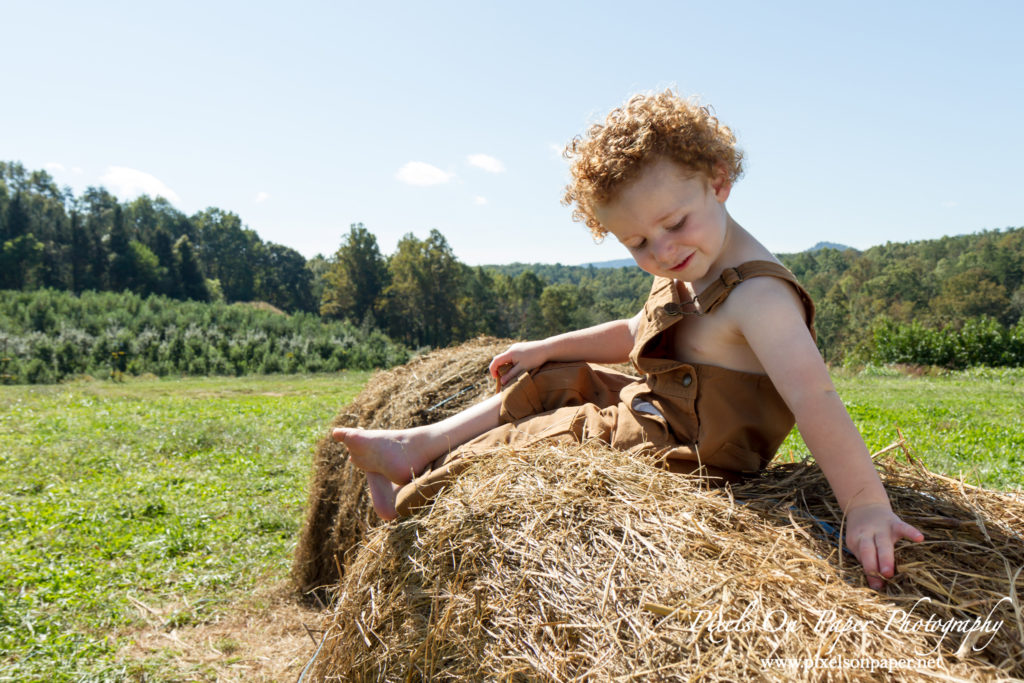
(907, 531)
(886, 556)
(497, 362)
(504, 373)
(864, 549)
(508, 372)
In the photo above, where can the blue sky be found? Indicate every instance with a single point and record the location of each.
(862, 123)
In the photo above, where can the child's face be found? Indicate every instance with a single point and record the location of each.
(672, 222)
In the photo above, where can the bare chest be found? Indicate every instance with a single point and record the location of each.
(712, 340)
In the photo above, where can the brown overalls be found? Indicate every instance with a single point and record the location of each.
(686, 417)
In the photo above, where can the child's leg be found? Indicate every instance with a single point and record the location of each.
(398, 455)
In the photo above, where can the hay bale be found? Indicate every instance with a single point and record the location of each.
(427, 389)
(563, 562)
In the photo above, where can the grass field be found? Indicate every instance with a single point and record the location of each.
(156, 506)
(182, 496)
(969, 422)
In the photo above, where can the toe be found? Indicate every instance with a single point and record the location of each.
(382, 494)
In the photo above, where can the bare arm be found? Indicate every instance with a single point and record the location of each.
(773, 325)
(605, 343)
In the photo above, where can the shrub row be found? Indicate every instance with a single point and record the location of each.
(978, 342)
(48, 335)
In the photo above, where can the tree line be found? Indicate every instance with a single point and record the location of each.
(909, 301)
(953, 302)
(423, 295)
(49, 238)
(899, 302)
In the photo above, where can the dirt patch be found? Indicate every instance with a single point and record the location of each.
(261, 306)
(268, 639)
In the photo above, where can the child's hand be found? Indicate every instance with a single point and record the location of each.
(522, 356)
(872, 530)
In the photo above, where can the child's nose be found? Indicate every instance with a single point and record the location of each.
(665, 252)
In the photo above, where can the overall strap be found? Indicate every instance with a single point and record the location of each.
(663, 307)
(718, 291)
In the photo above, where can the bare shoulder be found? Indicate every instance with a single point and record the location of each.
(761, 299)
(771, 317)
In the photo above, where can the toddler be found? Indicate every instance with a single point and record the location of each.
(724, 344)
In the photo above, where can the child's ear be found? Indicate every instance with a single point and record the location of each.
(721, 185)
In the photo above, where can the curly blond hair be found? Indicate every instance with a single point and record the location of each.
(612, 154)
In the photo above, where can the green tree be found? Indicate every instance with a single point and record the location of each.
(971, 294)
(190, 274)
(163, 249)
(79, 253)
(355, 278)
(120, 272)
(282, 278)
(228, 252)
(479, 305)
(422, 297)
(559, 309)
(97, 208)
(16, 223)
(146, 273)
(522, 305)
(18, 259)
(318, 267)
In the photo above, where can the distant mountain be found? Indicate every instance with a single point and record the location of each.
(830, 245)
(617, 263)
(622, 262)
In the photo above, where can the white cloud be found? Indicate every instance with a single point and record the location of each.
(480, 201)
(421, 174)
(488, 163)
(948, 205)
(54, 166)
(130, 182)
(77, 170)
(262, 197)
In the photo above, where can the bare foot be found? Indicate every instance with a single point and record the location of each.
(382, 495)
(396, 454)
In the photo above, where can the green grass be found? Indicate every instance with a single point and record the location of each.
(969, 422)
(186, 495)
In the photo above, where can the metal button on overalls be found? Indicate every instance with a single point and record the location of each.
(687, 379)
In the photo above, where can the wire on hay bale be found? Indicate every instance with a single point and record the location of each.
(560, 562)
